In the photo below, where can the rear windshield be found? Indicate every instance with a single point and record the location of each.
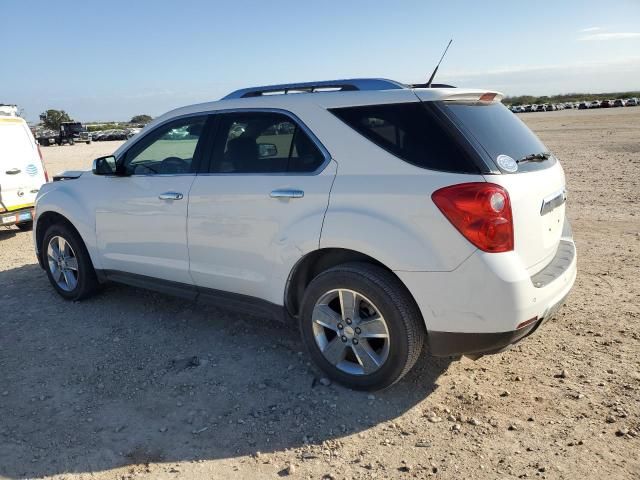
(416, 132)
(498, 131)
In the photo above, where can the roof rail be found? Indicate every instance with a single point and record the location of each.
(309, 87)
(433, 85)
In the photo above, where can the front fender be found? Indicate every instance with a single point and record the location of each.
(72, 205)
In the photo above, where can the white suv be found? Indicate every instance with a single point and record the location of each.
(379, 215)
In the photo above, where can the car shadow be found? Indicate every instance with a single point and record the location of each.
(130, 377)
(7, 232)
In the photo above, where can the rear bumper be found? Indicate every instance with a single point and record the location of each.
(478, 308)
(445, 344)
(16, 216)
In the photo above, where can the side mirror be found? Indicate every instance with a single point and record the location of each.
(267, 150)
(104, 165)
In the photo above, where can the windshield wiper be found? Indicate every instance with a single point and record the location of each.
(535, 157)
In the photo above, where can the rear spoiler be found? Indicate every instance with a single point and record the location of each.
(459, 95)
(486, 97)
(67, 175)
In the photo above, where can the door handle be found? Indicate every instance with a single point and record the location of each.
(171, 196)
(287, 193)
(13, 171)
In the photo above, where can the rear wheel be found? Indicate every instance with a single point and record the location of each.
(67, 263)
(361, 326)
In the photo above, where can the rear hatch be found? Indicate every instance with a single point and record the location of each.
(524, 167)
(21, 170)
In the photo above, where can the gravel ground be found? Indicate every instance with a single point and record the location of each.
(131, 384)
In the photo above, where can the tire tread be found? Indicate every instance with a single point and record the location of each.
(401, 299)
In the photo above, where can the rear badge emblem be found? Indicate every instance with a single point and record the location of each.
(506, 163)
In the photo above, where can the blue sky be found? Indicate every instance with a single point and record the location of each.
(110, 60)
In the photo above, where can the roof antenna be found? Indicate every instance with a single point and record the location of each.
(428, 84)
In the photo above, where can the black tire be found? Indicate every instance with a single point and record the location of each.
(87, 282)
(71, 141)
(405, 325)
(25, 226)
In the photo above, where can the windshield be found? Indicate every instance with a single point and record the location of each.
(73, 127)
(499, 132)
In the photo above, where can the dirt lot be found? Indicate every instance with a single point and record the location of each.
(131, 384)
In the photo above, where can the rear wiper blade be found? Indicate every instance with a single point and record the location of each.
(535, 157)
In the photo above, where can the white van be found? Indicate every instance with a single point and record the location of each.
(22, 172)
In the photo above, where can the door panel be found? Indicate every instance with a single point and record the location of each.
(140, 233)
(243, 240)
(141, 227)
(261, 206)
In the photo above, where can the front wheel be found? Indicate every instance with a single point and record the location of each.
(67, 263)
(361, 326)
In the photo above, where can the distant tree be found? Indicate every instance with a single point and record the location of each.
(53, 118)
(144, 119)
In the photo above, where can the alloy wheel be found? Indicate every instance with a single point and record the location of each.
(63, 263)
(350, 332)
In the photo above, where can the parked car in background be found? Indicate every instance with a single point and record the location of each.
(22, 172)
(110, 135)
(583, 106)
(618, 103)
(605, 103)
(632, 102)
(132, 131)
(382, 219)
(594, 104)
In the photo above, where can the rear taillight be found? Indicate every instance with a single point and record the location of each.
(44, 169)
(481, 212)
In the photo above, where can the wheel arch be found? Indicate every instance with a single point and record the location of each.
(318, 261)
(45, 220)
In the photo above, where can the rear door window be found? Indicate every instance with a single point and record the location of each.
(263, 142)
(413, 132)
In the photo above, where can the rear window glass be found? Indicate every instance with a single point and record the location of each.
(498, 131)
(412, 132)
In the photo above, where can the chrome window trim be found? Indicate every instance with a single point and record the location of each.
(323, 150)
